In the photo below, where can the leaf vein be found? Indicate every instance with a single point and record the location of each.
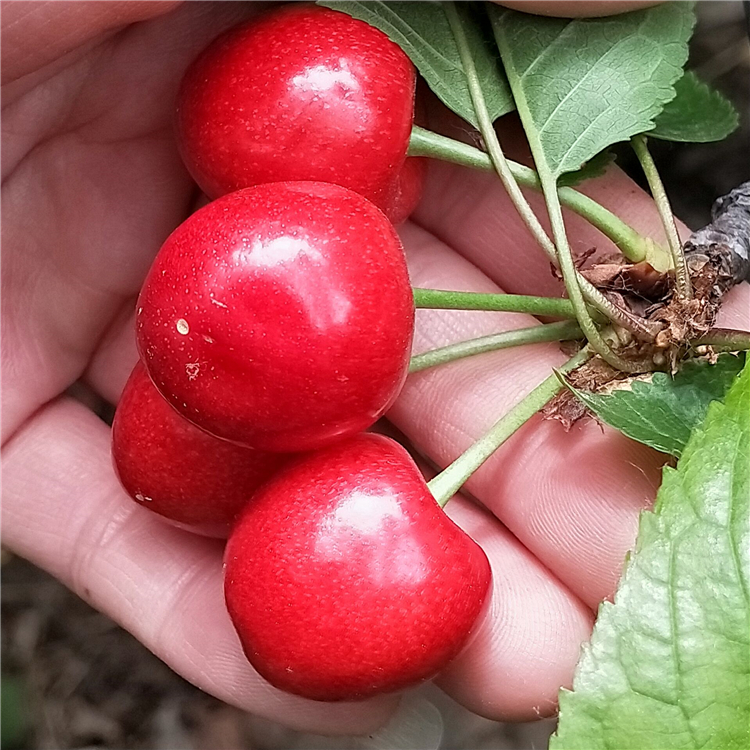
(552, 47)
(593, 69)
(674, 628)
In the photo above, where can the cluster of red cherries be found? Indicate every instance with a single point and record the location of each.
(274, 328)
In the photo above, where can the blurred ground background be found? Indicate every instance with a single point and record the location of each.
(71, 678)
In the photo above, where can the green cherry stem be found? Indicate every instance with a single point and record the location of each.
(564, 331)
(445, 485)
(571, 279)
(634, 246)
(439, 299)
(486, 128)
(683, 287)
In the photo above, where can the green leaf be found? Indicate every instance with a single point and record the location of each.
(594, 167)
(697, 114)
(668, 666)
(662, 410)
(422, 31)
(581, 85)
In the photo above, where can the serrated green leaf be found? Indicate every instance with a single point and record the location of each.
(668, 666)
(595, 167)
(422, 31)
(662, 410)
(581, 85)
(697, 114)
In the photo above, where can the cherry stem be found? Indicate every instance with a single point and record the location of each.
(683, 287)
(559, 250)
(724, 340)
(634, 246)
(564, 331)
(486, 128)
(439, 299)
(446, 484)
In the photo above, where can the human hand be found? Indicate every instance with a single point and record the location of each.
(92, 184)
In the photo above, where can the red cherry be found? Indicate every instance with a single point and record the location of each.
(302, 93)
(344, 578)
(175, 469)
(279, 316)
(407, 190)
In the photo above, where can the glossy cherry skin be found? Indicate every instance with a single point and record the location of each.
(407, 190)
(171, 467)
(345, 579)
(280, 316)
(301, 93)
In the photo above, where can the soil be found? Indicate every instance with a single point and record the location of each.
(71, 678)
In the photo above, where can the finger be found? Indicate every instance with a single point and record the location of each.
(735, 309)
(571, 498)
(527, 645)
(578, 8)
(117, 353)
(115, 357)
(64, 511)
(35, 34)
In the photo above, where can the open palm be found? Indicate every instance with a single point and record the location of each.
(92, 184)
